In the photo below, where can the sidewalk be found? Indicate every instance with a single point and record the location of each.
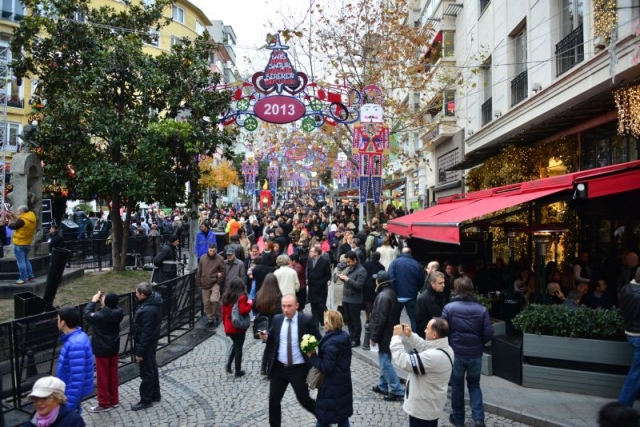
(535, 407)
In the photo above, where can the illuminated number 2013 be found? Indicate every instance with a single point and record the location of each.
(276, 109)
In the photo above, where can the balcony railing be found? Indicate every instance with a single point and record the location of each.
(519, 88)
(487, 110)
(15, 102)
(570, 51)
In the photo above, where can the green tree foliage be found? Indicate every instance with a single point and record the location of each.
(107, 109)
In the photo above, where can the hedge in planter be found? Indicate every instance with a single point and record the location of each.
(582, 351)
(559, 321)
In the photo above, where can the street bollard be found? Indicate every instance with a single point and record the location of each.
(367, 337)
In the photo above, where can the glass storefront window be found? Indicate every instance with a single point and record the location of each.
(448, 43)
(603, 146)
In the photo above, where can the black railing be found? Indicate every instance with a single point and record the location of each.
(29, 347)
(487, 111)
(519, 88)
(570, 51)
(484, 4)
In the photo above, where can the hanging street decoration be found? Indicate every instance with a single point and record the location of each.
(371, 144)
(250, 171)
(272, 176)
(281, 95)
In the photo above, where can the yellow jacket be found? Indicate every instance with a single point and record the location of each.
(24, 235)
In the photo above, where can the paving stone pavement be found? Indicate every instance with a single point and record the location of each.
(197, 392)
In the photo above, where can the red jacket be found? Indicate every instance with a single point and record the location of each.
(245, 308)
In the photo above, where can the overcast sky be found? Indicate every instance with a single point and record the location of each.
(252, 20)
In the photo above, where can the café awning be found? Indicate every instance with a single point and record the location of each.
(442, 223)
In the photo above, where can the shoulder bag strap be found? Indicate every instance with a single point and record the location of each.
(446, 354)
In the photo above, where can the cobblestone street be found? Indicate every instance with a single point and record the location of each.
(196, 391)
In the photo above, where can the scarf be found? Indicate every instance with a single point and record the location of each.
(49, 419)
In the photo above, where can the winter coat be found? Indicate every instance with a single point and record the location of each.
(227, 309)
(234, 269)
(208, 270)
(65, 418)
(335, 397)
(629, 302)
(352, 293)
(429, 372)
(317, 279)
(75, 367)
(338, 284)
(387, 255)
(202, 242)
(382, 315)
(260, 271)
(105, 340)
(469, 327)
(369, 291)
(287, 280)
(166, 269)
(428, 305)
(407, 276)
(25, 228)
(146, 324)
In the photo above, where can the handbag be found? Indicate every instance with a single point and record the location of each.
(260, 323)
(238, 320)
(315, 378)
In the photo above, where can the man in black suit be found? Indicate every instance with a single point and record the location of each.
(287, 363)
(318, 277)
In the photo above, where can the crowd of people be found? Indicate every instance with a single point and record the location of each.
(273, 264)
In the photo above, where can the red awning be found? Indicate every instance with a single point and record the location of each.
(442, 223)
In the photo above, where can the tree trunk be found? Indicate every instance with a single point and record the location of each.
(116, 234)
(193, 231)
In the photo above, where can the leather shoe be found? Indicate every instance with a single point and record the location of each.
(210, 324)
(140, 405)
(393, 398)
(377, 389)
(355, 343)
(240, 374)
(228, 369)
(453, 423)
(478, 423)
(156, 400)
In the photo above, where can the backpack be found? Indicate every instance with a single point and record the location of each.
(377, 242)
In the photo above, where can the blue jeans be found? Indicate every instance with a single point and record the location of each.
(411, 312)
(22, 258)
(472, 367)
(389, 381)
(632, 382)
(344, 423)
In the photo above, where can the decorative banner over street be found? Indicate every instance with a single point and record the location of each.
(371, 144)
(280, 95)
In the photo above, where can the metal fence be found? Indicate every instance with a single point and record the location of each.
(96, 254)
(29, 347)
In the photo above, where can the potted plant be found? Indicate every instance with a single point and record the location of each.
(582, 351)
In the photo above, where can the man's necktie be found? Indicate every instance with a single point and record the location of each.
(289, 348)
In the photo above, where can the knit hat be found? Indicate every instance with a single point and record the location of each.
(111, 300)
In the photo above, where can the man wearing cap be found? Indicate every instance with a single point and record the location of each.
(49, 402)
(233, 268)
(165, 261)
(381, 328)
(210, 275)
(105, 343)
(75, 362)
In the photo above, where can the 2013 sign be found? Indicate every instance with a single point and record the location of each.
(279, 109)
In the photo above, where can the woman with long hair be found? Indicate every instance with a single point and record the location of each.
(235, 293)
(268, 305)
(334, 404)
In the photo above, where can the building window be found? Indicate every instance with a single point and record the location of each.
(79, 17)
(519, 84)
(603, 146)
(175, 40)
(199, 28)
(177, 13)
(487, 105)
(149, 2)
(154, 37)
(12, 10)
(13, 130)
(450, 103)
(448, 44)
(446, 161)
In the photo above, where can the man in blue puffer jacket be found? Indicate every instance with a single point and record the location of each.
(75, 363)
(469, 329)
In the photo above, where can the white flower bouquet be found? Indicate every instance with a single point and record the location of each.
(308, 343)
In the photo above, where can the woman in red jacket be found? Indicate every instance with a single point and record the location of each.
(237, 292)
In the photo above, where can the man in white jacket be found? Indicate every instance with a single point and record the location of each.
(429, 367)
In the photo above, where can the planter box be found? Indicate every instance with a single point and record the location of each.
(575, 365)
